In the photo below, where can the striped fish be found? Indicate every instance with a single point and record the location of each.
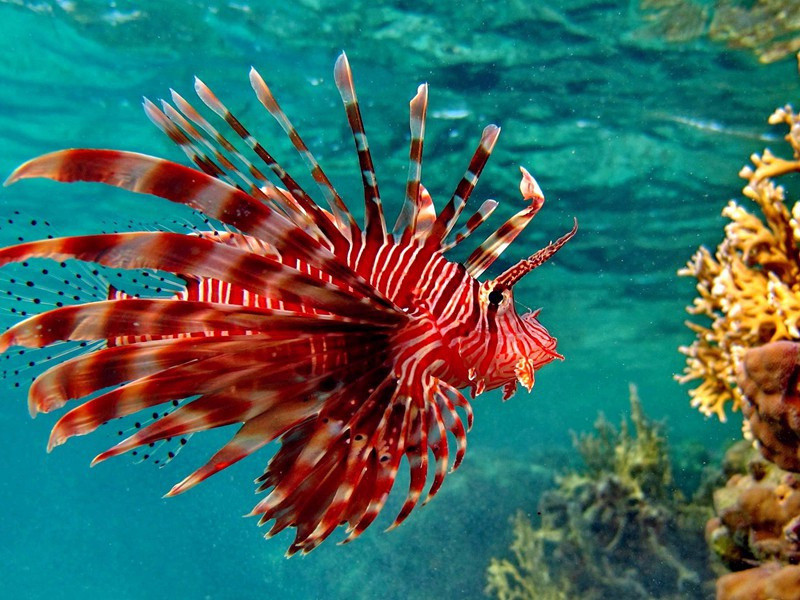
(350, 346)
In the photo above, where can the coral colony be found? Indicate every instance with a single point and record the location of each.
(747, 357)
(749, 287)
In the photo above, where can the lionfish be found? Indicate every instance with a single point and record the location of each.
(350, 346)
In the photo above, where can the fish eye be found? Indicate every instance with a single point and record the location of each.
(495, 297)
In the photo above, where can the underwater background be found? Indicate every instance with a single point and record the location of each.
(632, 119)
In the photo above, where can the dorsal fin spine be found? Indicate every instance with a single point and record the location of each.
(449, 215)
(331, 231)
(344, 218)
(406, 225)
(375, 224)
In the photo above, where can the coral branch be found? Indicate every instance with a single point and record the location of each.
(749, 289)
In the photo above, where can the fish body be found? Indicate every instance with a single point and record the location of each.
(348, 344)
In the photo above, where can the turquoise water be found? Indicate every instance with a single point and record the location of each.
(637, 137)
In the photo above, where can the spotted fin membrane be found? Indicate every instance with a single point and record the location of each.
(35, 285)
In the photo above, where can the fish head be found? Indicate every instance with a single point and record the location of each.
(513, 346)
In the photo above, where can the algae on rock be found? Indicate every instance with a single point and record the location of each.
(528, 576)
(623, 509)
(638, 458)
(768, 28)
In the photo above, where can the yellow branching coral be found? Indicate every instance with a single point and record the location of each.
(749, 288)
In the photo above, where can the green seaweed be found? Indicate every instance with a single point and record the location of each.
(638, 458)
(623, 508)
(528, 576)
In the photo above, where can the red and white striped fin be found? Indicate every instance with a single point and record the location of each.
(87, 373)
(375, 224)
(270, 193)
(282, 460)
(247, 243)
(251, 436)
(365, 426)
(475, 221)
(408, 425)
(115, 294)
(452, 210)
(362, 493)
(319, 489)
(405, 226)
(162, 317)
(442, 418)
(292, 469)
(484, 255)
(184, 114)
(426, 215)
(460, 400)
(341, 465)
(437, 441)
(168, 116)
(339, 241)
(417, 454)
(145, 174)
(183, 141)
(210, 411)
(452, 421)
(300, 454)
(263, 375)
(171, 384)
(390, 450)
(367, 496)
(320, 513)
(205, 258)
(189, 115)
(343, 217)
